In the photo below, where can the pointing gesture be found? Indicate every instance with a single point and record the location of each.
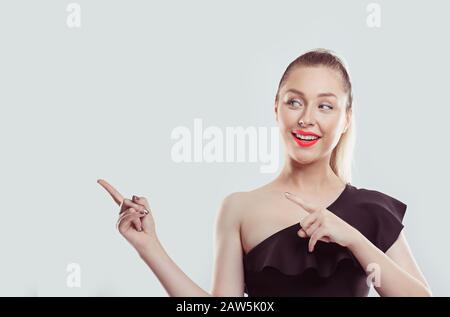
(320, 224)
(118, 198)
(135, 221)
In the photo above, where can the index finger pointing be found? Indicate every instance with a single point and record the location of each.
(118, 198)
(300, 202)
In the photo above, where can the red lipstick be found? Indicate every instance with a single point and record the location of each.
(296, 134)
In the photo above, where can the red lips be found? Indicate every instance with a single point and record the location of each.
(304, 143)
(303, 132)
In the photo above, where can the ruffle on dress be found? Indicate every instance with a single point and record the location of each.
(288, 253)
(386, 216)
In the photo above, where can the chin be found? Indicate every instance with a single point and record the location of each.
(303, 158)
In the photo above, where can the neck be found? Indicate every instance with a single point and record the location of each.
(311, 177)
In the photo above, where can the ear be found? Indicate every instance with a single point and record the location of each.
(349, 119)
(276, 112)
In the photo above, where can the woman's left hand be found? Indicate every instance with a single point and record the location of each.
(320, 224)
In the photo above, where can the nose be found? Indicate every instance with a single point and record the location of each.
(306, 118)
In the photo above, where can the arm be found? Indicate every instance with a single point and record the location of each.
(228, 279)
(137, 225)
(399, 273)
(172, 278)
(228, 270)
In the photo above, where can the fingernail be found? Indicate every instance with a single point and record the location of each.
(134, 197)
(287, 193)
(143, 211)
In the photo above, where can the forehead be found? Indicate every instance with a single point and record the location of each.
(315, 80)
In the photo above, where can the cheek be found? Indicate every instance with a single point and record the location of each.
(286, 118)
(331, 133)
(329, 127)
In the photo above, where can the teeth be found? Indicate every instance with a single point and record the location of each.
(306, 137)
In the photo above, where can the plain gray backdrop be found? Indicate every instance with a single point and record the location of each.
(101, 101)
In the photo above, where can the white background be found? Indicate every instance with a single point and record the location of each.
(102, 100)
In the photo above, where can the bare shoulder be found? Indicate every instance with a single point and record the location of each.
(243, 200)
(231, 208)
(236, 205)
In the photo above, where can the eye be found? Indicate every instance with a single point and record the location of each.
(294, 102)
(324, 104)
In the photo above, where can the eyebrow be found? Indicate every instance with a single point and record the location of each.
(323, 94)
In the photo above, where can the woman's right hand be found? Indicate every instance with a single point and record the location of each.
(146, 243)
(135, 221)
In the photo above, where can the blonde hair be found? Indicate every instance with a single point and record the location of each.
(342, 159)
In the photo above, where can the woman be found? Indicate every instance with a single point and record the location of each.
(309, 232)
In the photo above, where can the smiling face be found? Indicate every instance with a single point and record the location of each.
(315, 95)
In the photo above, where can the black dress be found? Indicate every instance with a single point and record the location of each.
(281, 264)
